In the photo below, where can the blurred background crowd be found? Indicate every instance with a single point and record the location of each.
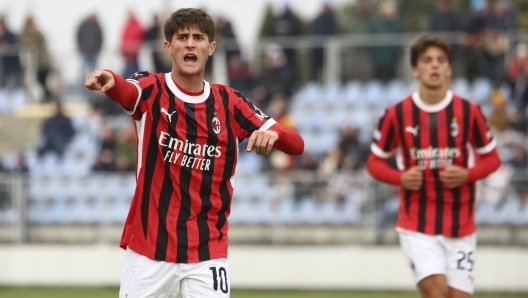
(328, 77)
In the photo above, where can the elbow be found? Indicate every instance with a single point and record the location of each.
(299, 150)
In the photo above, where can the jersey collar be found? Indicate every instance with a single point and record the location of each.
(432, 108)
(184, 97)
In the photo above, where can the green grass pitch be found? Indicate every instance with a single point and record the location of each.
(14, 292)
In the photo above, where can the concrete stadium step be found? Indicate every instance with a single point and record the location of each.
(18, 133)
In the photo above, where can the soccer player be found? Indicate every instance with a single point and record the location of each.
(443, 146)
(188, 131)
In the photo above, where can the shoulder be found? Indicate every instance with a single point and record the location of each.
(459, 99)
(146, 76)
(229, 92)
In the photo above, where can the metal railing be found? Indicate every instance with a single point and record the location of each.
(93, 208)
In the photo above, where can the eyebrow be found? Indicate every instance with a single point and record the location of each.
(193, 34)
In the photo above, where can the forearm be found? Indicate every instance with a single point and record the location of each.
(380, 169)
(123, 93)
(289, 142)
(487, 164)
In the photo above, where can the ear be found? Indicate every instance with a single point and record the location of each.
(449, 72)
(167, 46)
(414, 71)
(212, 48)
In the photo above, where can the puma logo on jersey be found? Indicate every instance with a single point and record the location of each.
(167, 113)
(412, 130)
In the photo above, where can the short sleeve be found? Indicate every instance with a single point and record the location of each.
(249, 117)
(145, 83)
(480, 137)
(384, 139)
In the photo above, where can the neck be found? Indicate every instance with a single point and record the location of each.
(193, 83)
(432, 96)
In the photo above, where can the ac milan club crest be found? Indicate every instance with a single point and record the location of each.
(217, 126)
(453, 128)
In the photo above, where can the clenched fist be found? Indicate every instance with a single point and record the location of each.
(412, 178)
(454, 176)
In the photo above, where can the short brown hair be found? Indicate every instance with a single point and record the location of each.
(422, 44)
(187, 18)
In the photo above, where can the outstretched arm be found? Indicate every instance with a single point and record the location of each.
(277, 136)
(114, 86)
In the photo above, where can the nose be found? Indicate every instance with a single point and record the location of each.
(190, 43)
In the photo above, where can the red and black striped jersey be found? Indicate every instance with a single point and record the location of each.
(434, 136)
(187, 149)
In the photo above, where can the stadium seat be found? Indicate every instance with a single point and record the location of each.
(484, 213)
(460, 86)
(507, 212)
(481, 90)
(352, 93)
(350, 212)
(286, 211)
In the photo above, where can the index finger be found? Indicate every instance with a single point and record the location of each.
(251, 142)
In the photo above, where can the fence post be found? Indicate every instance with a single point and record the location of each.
(332, 60)
(20, 207)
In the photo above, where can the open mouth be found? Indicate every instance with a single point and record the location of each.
(190, 58)
(435, 76)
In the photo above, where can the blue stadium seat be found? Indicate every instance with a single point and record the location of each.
(484, 213)
(481, 90)
(460, 86)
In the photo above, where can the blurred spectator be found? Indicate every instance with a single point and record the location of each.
(495, 46)
(306, 161)
(360, 65)
(348, 150)
(89, 43)
(105, 162)
(286, 24)
(474, 38)
(108, 140)
(239, 74)
(225, 41)
(126, 149)
(225, 37)
(519, 158)
(498, 119)
(519, 122)
(20, 165)
(501, 16)
(278, 110)
(154, 38)
(131, 40)
(277, 77)
(385, 58)
(444, 19)
(57, 131)
(361, 20)
(519, 162)
(11, 71)
(325, 25)
(33, 41)
(342, 183)
(517, 75)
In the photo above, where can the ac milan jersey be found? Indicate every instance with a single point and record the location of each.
(187, 148)
(434, 136)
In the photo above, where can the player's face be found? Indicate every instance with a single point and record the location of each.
(190, 48)
(433, 69)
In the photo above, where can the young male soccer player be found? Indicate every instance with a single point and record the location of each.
(188, 132)
(443, 145)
